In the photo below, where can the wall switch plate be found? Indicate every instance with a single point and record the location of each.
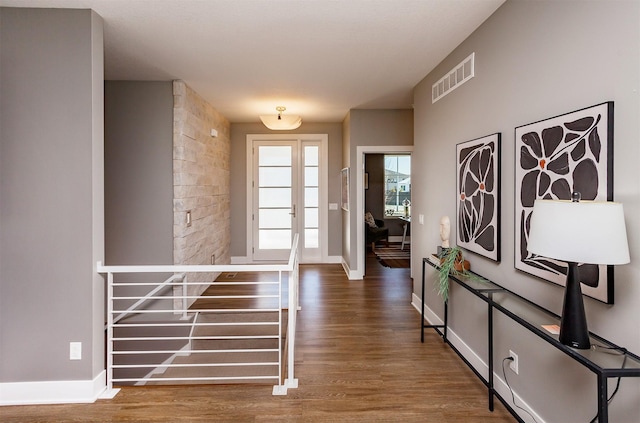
(421, 219)
(75, 350)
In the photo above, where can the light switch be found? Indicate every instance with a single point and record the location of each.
(75, 350)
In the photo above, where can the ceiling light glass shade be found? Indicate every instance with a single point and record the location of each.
(281, 122)
(286, 122)
(591, 232)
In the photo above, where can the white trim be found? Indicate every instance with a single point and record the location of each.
(53, 392)
(324, 197)
(249, 195)
(350, 275)
(478, 363)
(285, 266)
(358, 175)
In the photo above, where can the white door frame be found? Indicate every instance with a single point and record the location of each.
(360, 234)
(323, 192)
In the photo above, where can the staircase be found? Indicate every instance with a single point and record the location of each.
(230, 348)
(233, 332)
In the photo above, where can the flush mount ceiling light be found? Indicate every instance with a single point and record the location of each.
(279, 122)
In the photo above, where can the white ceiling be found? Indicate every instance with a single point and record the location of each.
(319, 58)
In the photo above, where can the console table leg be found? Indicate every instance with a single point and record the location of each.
(490, 333)
(446, 317)
(422, 306)
(603, 405)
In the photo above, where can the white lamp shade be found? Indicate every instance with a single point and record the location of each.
(582, 232)
(281, 122)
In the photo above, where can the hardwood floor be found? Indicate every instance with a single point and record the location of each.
(359, 359)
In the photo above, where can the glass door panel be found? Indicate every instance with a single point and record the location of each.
(311, 242)
(275, 239)
(274, 197)
(274, 218)
(275, 155)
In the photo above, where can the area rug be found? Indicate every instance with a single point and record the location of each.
(393, 256)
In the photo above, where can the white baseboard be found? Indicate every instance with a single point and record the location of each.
(478, 363)
(53, 392)
(352, 275)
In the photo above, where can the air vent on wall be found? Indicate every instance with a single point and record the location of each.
(453, 79)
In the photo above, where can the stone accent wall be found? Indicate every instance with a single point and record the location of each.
(201, 172)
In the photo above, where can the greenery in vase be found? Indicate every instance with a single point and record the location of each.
(452, 263)
(447, 258)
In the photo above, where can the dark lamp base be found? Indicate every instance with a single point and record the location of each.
(573, 326)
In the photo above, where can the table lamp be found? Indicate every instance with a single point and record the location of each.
(578, 232)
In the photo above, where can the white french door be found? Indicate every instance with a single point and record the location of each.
(286, 191)
(275, 199)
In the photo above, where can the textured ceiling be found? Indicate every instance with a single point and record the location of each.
(319, 58)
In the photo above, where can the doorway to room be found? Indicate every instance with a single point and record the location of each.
(374, 192)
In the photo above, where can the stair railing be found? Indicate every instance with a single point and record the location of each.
(122, 320)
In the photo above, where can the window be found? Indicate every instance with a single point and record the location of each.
(397, 193)
(311, 196)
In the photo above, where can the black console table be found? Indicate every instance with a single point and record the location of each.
(531, 316)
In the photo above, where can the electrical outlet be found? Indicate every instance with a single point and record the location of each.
(513, 365)
(75, 350)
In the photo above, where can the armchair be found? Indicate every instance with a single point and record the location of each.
(376, 231)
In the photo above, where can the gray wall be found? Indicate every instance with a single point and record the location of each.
(51, 194)
(374, 195)
(369, 128)
(138, 172)
(536, 60)
(239, 132)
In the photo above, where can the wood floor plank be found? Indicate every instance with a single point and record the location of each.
(359, 359)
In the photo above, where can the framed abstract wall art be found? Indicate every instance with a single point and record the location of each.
(555, 157)
(478, 191)
(344, 186)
